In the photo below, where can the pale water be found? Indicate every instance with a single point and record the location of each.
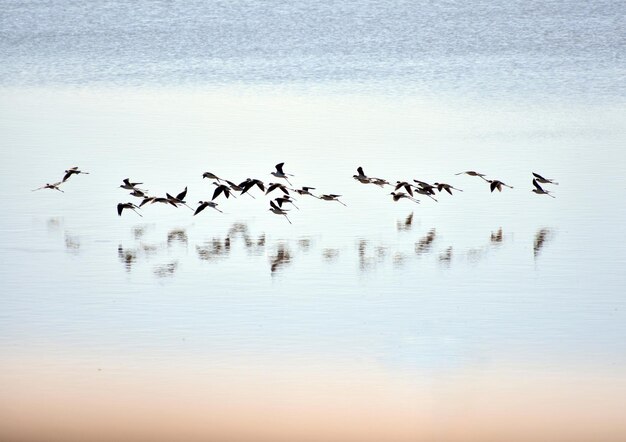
(478, 316)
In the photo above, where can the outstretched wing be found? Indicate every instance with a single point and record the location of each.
(120, 207)
(536, 175)
(536, 184)
(271, 188)
(360, 170)
(181, 195)
(493, 185)
(217, 192)
(200, 208)
(274, 206)
(279, 168)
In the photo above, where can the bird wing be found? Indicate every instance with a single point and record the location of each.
(217, 192)
(67, 175)
(279, 168)
(536, 184)
(120, 207)
(260, 184)
(181, 195)
(274, 206)
(360, 170)
(536, 175)
(200, 208)
(493, 185)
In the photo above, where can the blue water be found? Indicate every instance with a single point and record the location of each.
(550, 49)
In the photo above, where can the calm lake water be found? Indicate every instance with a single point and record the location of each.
(481, 316)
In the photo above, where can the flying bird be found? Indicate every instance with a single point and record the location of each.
(53, 186)
(72, 171)
(278, 211)
(447, 187)
(285, 199)
(379, 182)
(222, 188)
(331, 197)
(128, 185)
(249, 183)
(204, 204)
(543, 180)
(211, 176)
(407, 186)
(131, 206)
(273, 186)
(360, 176)
(539, 190)
(178, 199)
(473, 173)
(397, 196)
(497, 184)
(304, 190)
(280, 174)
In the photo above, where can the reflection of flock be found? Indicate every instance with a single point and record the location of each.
(403, 190)
(281, 253)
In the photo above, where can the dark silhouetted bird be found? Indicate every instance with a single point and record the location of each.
(539, 190)
(131, 206)
(497, 184)
(204, 204)
(72, 171)
(53, 186)
(280, 174)
(543, 180)
(278, 211)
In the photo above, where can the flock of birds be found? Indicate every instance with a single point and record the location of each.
(227, 189)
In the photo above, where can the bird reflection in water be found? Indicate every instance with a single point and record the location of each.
(72, 243)
(127, 257)
(330, 255)
(446, 256)
(399, 259)
(166, 269)
(139, 231)
(406, 225)
(541, 237)
(496, 238)
(369, 261)
(240, 230)
(370, 254)
(54, 224)
(425, 243)
(304, 244)
(280, 259)
(475, 255)
(177, 236)
(214, 249)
